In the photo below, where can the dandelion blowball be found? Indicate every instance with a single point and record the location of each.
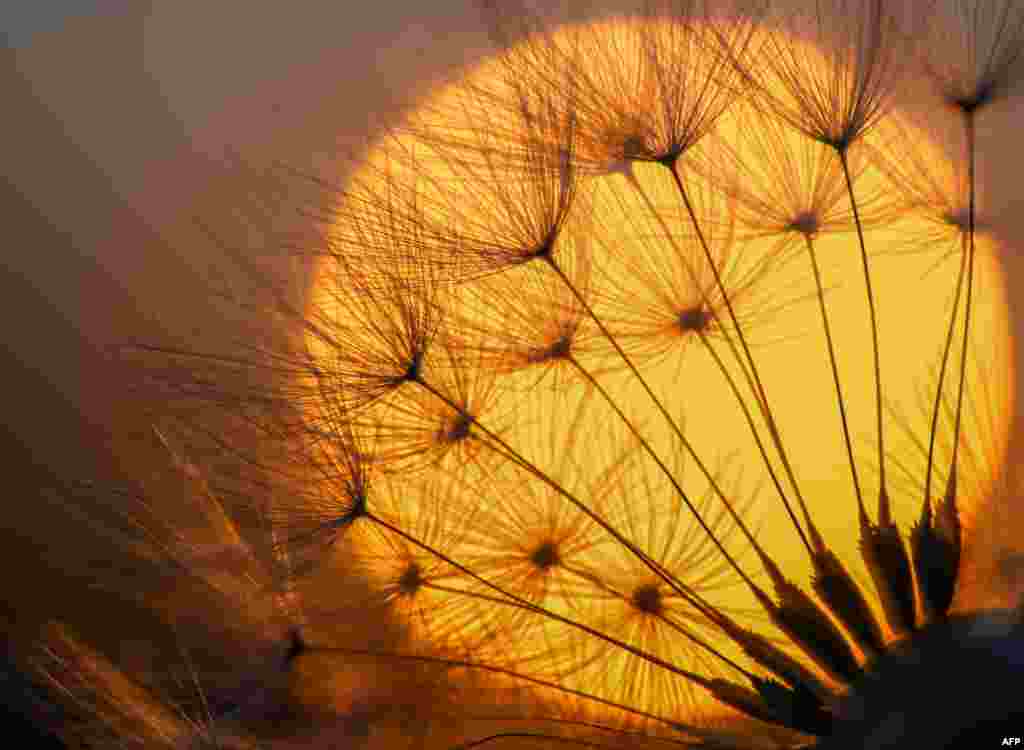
(654, 387)
(533, 207)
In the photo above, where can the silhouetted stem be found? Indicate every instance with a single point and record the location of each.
(728, 340)
(874, 320)
(668, 474)
(540, 474)
(444, 662)
(969, 126)
(731, 381)
(835, 372)
(936, 407)
(536, 608)
(612, 592)
(597, 582)
(679, 434)
(762, 395)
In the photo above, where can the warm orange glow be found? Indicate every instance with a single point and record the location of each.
(638, 270)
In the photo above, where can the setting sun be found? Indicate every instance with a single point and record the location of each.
(649, 379)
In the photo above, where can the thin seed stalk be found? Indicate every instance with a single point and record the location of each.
(971, 157)
(874, 321)
(798, 616)
(937, 541)
(835, 371)
(715, 356)
(652, 565)
(540, 474)
(762, 395)
(494, 669)
(598, 583)
(731, 381)
(678, 432)
(536, 608)
(947, 348)
(668, 474)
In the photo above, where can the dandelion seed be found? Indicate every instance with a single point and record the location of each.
(529, 536)
(980, 43)
(528, 322)
(782, 185)
(482, 214)
(657, 303)
(337, 487)
(838, 97)
(368, 339)
(643, 89)
(935, 190)
(417, 428)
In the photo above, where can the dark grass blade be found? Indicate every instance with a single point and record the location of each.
(883, 551)
(809, 627)
(781, 664)
(936, 541)
(795, 708)
(773, 702)
(844, 597)
(743, 699)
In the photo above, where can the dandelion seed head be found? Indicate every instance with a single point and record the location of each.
(829, 71)
(621, 559)
(632, 259)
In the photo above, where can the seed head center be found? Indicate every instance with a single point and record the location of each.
(693, 319)
(411, 579)
(560, 348)
(545, 556)
(457, 429)
(633, 147)
(647, 599)
(958, 218)
(806, 223)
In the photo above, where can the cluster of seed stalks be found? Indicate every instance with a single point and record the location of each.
(513, 471)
